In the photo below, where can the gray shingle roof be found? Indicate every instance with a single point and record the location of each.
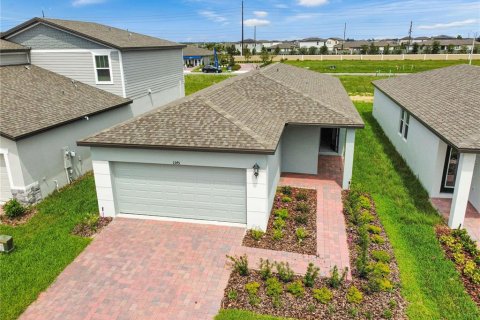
(196, 51)
(110, 36)
(8, 46)
(446, 100)
(33, 100)
(246, 113)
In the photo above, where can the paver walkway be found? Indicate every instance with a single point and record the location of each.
(143, 269)
(472, 217)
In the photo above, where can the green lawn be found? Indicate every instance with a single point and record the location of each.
(430, 283)
(232, 314)
(43, 246)
(394, 66)
(197, 82)
(359, 85)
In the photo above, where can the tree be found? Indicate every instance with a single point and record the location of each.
(303, 50)
(323, 49)
(415, 47)
(265, 56)
(463, 49)
(459, 37)
(450, 48)
(254, 51)
(312, 50)
(372, 49)
(277, 50)
(386, 49)
(435, 47)
(246, 54)
(364, 49)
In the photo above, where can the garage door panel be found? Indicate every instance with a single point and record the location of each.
(181, 191)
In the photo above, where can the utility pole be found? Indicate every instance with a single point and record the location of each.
(241, 51)
(471, 50)
(255, 38)
(43, 14)
(344, 32)
(410, 36)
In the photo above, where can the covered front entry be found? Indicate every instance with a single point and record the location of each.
(190, 192)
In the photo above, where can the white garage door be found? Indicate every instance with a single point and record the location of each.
(5, 193)
(190, 192)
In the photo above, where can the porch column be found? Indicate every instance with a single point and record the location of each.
(463, 181)
(348, 158)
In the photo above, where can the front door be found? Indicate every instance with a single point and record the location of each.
(329, 139)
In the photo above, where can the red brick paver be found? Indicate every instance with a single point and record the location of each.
(143, 269)
(472, 217)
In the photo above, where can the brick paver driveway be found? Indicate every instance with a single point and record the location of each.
(143, 269)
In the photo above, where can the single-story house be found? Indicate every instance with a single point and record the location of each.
(194, 56)
(433, 120)
(218, 154)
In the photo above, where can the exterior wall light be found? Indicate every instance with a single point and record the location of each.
(256, 167)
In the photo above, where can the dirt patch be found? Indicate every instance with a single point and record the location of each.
(302, 213)
(362, 98)
(29, 214)
(86, 229)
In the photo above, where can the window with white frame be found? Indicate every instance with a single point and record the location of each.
(102, 68)
(404, 123)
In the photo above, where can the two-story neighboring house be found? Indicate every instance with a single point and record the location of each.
(62, 81)
(311, 42)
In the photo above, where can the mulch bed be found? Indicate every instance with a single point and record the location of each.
(375, 305)
(18, 220)
(84, 230)
(472, 288)
(289, 242)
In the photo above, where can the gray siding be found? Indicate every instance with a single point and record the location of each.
(156, 70)
(79, 66)
(45, 37)
(13, 58)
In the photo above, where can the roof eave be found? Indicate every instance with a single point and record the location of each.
(152, 48)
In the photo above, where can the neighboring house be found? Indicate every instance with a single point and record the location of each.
(311, 42)
(147, 69)
(218, 154)
(433, 120)
(108, 67)
(250, 44)
(284, 47)
(194, 56)
(455, 44)
(357, 46)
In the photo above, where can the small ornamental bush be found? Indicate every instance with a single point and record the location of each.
(301, 196)
(286, 190)
(285, 273)
(354, 295)
(387, 314)
(366, 217)
(274, 290)
(472, 271)
(377, 239)
(232, 294)
(311, 275)
(459, 258)
(362, 264)
(281, 213)
(13, 209)
(381, 255)
(374, 229)
(468, 244)
(323, 295)
(277, 234)
(286, 199)
(378, 269)
(278, 223)
(296, 288)
(376, 284)
(256, 234)
(265, 269)
(364, 202)
(301, 234)
(302, 207)
(335, 280)
(301, 218)
(252, 288)
(240, 264)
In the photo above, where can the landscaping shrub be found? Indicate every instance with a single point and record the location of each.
(374, 229)
(287, 190)
(286, 199)
(378, 269)
(335, 280)
(279, 223)
(274, 290)
(257, 234)
(311, 275)
(285, 273)
(387, 314)
(252, 290)
(377, 239)
(281, 213)
(301, 234)
(232, 294)
(364, 202)
(362, 259)
(323, 295)
(381, 255)
(265, 269)
(302, 207)
(301, 196)
(467, 243)
(366, 217)
(354, 295)
(376, 284)
(240, 264)
(296, 288)
(13, 209)
(301, 219)
(277, 234)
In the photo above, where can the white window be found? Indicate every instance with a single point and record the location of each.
(102, 69)
(404, 123)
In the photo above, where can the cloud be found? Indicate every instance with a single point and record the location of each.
(448, 25)
(302, 16)
(312, 3)
(281, 6)
(80, 3)
(213, 16)
(256, 22)
(260, 14)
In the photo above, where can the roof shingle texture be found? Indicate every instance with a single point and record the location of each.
(245, 113)
(196, 51)
(33, 99)
(446, 100)
(6, 46)
(114, 37)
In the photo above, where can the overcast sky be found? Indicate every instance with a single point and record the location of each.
(217, 20)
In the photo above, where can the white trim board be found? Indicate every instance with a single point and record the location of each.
(195, 221)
